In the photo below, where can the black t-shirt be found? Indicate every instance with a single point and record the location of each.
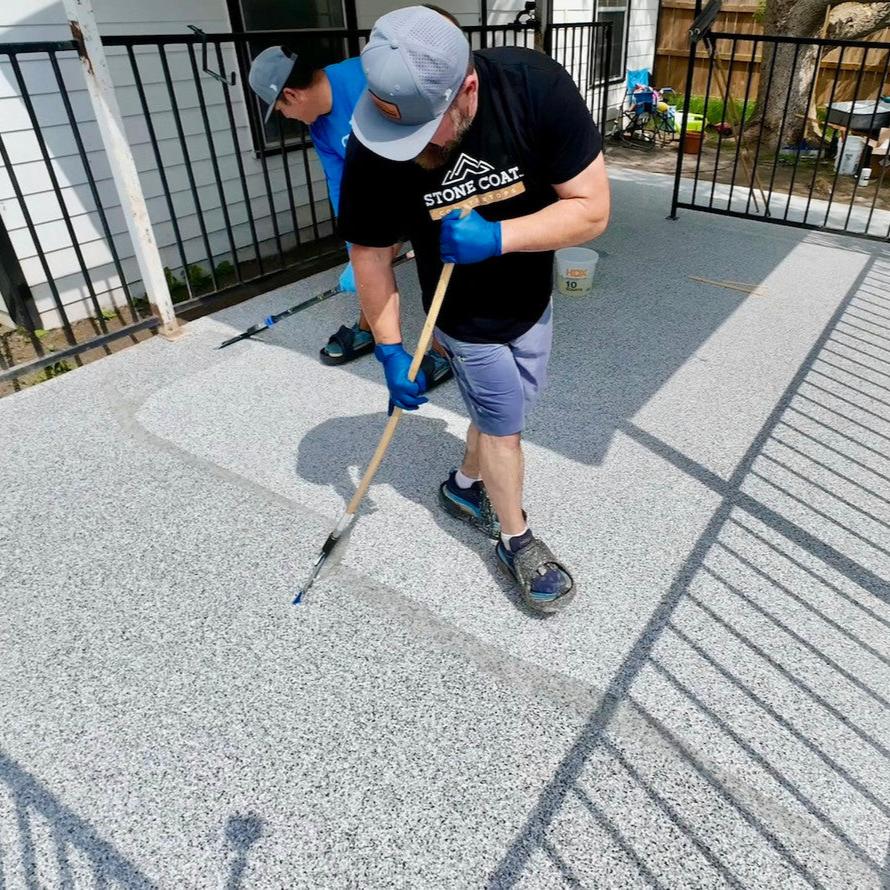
(531, 127)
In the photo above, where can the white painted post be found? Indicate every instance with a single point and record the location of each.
(82, 20)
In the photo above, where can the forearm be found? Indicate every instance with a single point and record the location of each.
(568, 222)
(580, 214)
(378, 294)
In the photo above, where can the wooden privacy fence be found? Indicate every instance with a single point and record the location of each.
(672, 54)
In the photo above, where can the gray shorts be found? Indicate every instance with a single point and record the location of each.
(500, 382)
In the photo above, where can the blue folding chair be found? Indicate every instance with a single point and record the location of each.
(643, 125)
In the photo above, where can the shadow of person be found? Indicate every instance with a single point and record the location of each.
(419, 458)
(242, 832)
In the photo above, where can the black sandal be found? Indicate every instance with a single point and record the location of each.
(436, 368)
(353, 342)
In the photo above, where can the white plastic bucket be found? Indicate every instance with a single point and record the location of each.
(847, 160)
(575, 268)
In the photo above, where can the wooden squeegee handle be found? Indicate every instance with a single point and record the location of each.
(426, 336)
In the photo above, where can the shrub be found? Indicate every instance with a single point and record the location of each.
(716, 109)
(39, 333)
(178, 289)
(56, 370)
(199, 277)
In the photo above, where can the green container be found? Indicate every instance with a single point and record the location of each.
(694, 119)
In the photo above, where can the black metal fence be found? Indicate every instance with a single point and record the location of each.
(790, 134)
(49, 258)
(585, 51)
(236, 206)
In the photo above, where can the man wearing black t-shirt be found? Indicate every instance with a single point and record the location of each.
(505, 127)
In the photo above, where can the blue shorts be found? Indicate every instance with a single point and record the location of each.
(500, 382)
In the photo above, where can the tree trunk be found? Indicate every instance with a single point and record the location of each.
(783, 97)
(855, 21)
(785, 82)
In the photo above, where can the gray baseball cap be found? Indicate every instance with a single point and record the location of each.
(415, 62)
(268, 73)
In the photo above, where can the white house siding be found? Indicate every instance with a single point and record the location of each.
(39, 20)
(641, 33)
(642, 27)
(641, 40)
(465, 11)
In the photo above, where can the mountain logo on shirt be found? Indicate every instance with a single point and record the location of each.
(466, 166)
(470, 177)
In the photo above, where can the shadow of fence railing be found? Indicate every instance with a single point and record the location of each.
(43, 843)
(53, 846)
(745, 738)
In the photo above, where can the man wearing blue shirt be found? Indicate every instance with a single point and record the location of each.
(324, 99)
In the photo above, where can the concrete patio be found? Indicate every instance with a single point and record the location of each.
(713, 710)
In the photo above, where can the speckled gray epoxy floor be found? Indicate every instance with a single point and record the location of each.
(712, 711)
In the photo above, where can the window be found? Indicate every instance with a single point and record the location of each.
(615, 11)
(275, 15)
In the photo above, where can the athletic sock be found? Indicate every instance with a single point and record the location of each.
(505, 539)
(464, 481)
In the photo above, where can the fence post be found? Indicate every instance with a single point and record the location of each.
(82, 20)
(690, 74)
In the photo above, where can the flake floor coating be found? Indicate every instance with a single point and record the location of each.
(712, 711)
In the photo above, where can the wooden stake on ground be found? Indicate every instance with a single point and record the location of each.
(732, 285)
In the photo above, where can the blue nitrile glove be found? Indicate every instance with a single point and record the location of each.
(469, 240)
(402, 392)
(347, 280)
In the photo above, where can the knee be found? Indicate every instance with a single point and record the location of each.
(501, 444)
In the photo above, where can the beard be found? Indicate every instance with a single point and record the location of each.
(435, 156)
